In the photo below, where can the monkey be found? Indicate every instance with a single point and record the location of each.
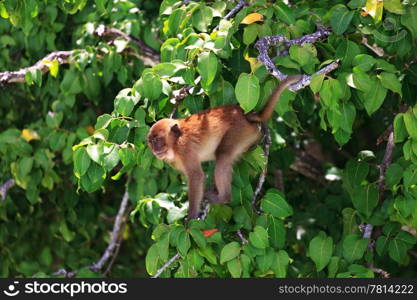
(222, 134)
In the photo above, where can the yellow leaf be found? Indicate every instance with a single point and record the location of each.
(253, 62)
(53, 66)
(29, 135)
(252, 18)
(375, 8)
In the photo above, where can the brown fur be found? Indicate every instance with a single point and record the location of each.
(222, 134)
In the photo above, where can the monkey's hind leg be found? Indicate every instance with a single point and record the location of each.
(235, 142)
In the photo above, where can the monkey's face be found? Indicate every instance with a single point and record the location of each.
(160, 138)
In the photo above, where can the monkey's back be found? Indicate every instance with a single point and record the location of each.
(208, 129)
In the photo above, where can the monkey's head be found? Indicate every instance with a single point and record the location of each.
(162, 136)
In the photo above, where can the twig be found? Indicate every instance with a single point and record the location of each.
(116, 253)
(65, 273)
(367, 230)
(386, 161)
(178, 95)
(242, 238)
(377, 50)
(5, 188)
(110, 250)
(147, 51)
(383, 273)
(241, 4)
(261, 180)
(19, 76)
(166, 265)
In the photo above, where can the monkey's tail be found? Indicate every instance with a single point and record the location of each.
(267, 111)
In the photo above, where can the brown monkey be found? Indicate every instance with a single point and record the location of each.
(222, 134)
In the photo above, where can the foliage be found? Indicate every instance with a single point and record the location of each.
(69, 138)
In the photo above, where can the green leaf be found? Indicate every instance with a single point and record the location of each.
(333, 266)
(409, 20)
(321, 250)
(374, 98)
(247, 91)
(274, 203)
(407, 238)
(198, 237)
(95, 152)
(81, 162)
(250, 34)
(397, 250)
(284, 13)
(410, 122)
(152, 259)
(363, 62)
(276, 232)
(183, 242)
(202, 18)
(393, 175)
(354, 247)
(235, 267)
(150, 85)
(400, 131)
(264, 262)
(355, 172)
(111, 157)
(394, 6)
(316, 82)
(340, 19)
(280, 264)
(349, 221)
(365, 199)
(163, 246)
(229, 252)
(410, 176)
(207, 67)
(391, 82)
(259, 237)
(381, 245)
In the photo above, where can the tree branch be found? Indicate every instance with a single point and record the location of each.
(147, 51)
(263, 45)
(5, 188)
(19, 76)
(166, 265)
(150, 56)
(261, 180)
(116, 233)
(112, 249)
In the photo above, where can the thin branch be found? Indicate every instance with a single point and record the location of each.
(116, 253)
(5, 188)
(178, 95)
(110, 250)
(386, 161)
(261, 180)
(65, 273)
(19, 76)
(147, 51)
(150, 56)
(242, 238)
(241, 4)
(377, 50)
(383, 273)
(166, 265)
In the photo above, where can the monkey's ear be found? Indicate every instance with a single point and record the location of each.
(176, 131)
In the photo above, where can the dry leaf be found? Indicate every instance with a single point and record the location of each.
(252, 18)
